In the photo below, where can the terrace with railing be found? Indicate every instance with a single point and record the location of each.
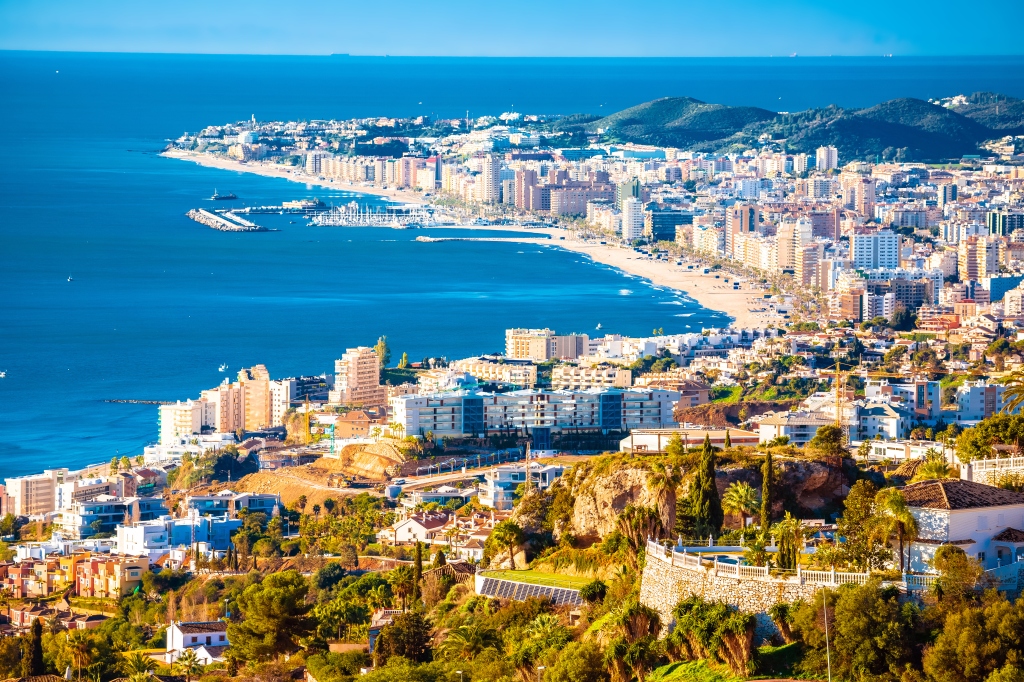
(729, 568)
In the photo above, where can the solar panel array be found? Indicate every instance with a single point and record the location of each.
(508, 589)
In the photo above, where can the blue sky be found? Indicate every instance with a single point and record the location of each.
(524, 28)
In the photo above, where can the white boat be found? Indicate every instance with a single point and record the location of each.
(222, 368)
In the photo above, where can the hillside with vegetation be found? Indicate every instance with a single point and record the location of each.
(903, 129)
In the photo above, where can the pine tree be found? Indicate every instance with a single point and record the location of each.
(418, 575)
(705, 504)
(32, 661)
(767, 494)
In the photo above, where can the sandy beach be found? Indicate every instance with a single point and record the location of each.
(709, 290)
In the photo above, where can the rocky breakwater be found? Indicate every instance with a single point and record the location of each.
(225, 222)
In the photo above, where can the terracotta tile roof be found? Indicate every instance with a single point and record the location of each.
(954, 493)
(1010, 535)
(202, 627)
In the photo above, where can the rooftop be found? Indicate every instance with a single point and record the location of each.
(955, 494)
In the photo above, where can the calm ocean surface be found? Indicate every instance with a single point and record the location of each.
(158, 302)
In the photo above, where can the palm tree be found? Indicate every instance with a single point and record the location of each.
(378, 597)
(637, 524)
(81, 650)
(631, 633)
(508, 534)
(893, 518)
(934, 466)
(329, 505)
(188, 664)
(741, 498)
(1013, 396)
(402, 581)
(316, 512)
(137, 663)
(301, 503)
(663, 481)
(467, 642)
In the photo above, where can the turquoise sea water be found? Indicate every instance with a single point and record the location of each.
(158, 302)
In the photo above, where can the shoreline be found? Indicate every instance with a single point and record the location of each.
(709, 291)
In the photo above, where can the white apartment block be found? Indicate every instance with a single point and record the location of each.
(632, 219)
(180, 420)
(486, 371)
(826, 158)
(467, 413)
(282, 393)
(879, 249)
(577, 378)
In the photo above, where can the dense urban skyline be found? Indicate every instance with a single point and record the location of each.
(468, 29)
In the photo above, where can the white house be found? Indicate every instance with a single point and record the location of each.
(982, 520)
(500, 483)
(181, 636)
(421, 526)
(211, 654)
(799, 427)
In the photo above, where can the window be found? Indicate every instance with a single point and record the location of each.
(195, 639)
(221, 638)
(981, 557)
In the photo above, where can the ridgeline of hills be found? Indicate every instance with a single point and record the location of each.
(904, 129)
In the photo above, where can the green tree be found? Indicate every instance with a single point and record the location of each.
(893, 518)
(509, 535)
(789, 534)
(594, 592)
(860, 547)
(188, 664)
(577, 662)
(383, 351)
(705, 504)
(126, 464)
(714, 631)
(828, 441)
(402, 580)
(663, 480)
(467, 642)
(728, 439)
(768, 476)
(636, 524)
(32, 661)
(958, 576)
(740, 498)
(137, 663)
(407, 636)
(417, 577)
(274, 617)
(631, 632)
(974, 643)
(404, 362)
(115, 465)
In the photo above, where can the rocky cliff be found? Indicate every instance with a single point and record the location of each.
(597, 492)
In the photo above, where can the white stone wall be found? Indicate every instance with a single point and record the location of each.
(663, 586)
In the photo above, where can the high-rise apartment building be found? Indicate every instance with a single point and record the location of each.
(34, 494)
(826, 158)
(255, 384)
(282, 393)
(740, 219)
(1003, 223)
(223, 407)
(357, 379)
(880, 249)
(541, 345)
(632, 219)
(978, 257)
(525, 179)
(488, 183)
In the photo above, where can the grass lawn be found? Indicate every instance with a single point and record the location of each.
(537, 578)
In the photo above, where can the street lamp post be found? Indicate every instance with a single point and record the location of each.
(460, 675)
(540, 670)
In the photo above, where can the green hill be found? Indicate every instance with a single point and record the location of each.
(903, 129)
(678, 121)
(997, 112)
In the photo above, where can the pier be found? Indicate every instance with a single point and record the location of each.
(225, 221)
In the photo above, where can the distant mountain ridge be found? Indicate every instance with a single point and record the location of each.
(903, 129)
